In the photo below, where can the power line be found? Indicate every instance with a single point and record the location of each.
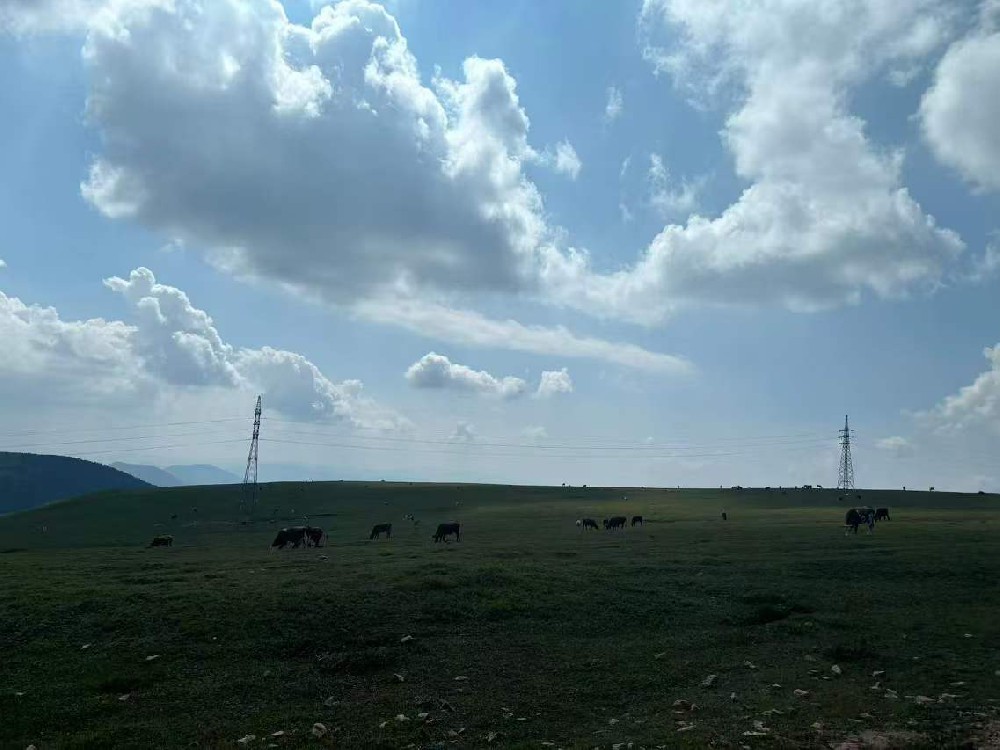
(62, 431)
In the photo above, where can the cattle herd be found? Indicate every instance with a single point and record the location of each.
(313, 536)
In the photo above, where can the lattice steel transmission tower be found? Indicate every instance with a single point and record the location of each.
(845, 479)
(251, 489)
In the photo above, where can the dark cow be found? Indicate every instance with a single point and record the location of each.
(615, 522)
(314, 536)
(637, 520)
(882, 514)
(589, 523)
(163, 540)
(293, 535)
(381, 528)
(857, 516)
(444, 530)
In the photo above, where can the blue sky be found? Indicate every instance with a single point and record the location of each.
(790, 216)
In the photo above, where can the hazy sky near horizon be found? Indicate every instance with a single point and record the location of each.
(666, 242)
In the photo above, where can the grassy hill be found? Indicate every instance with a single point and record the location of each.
(580, 639)
(28, 479)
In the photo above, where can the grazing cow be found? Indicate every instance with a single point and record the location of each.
(314, 536)
(857, 516)
(637, 520)
(293, 535)
(724, 516)
(615, 522)
(882, 514)
(444, 530)
(379, 529)
(163, 540)
(589, 523)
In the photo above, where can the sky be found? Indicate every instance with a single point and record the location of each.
(669, 242)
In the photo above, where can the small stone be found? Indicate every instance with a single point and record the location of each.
(776, 686)
(491, 736)
(836, 670)
(732, 697)
(18, 693)
(247, 739)
(810, 657)
(422, 716)
(31, 747)
(876, 687)
(686, 728)
(84, 647)
(398, 677)
(267, 673)
(817, 726)
(958, 684)
(749, 665)
(461, 678)
(922, 700)
(709, 681)
(682, 704)
(968, 635)
(124, 697)
(610, 721)
(660, 655)
(521, 718)
(402, 717)
(279, 733)
(406, 639)
(382, 725)
(866, 715)
(319, 730)
(331, 702)
(814, 672)
(799, 693)
(946, 697)
(152, 657)
(878, 673)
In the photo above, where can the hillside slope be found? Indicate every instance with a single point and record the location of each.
(154, 475)
(202, 474)
(28, 480)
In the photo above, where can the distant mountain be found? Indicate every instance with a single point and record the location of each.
(28, 480)
(147, 473)
(202, 474)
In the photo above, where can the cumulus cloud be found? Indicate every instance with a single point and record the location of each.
(437, 371)
(470, 328)
(346, 174)
(975, 406)
(171, 344)
(613, 109)
(566, 160)
(825, 216)
(535, 433)
(896, 445)
(958, 116)
(554, 382)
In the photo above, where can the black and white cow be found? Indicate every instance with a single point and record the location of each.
(857, 516)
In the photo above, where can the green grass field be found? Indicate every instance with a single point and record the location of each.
(529, 633)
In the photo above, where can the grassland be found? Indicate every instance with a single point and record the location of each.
(579, 639)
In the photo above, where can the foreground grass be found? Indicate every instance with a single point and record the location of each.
(577, 639)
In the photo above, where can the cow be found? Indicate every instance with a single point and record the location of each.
(162, 540)
(857, 516)
(637, 520)
(293, 535)
(882, 514)
(314, 536)
(444, 530)
(615, 522)
(379, 529)
(589, 523)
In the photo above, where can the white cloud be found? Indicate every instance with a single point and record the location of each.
(345, 176)
(825, 217)
(3, 263)
(566, 160)
(464, 433)
(667, 200)
(173, 346)
(613, 109)
(554, 382)
(535, 433)
(46, 16)
(896, 445)
(960, 111)
(437, 371)
(975, 406)
(469, 328)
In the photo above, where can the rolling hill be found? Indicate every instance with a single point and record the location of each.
(154, 475)
(28, 480)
